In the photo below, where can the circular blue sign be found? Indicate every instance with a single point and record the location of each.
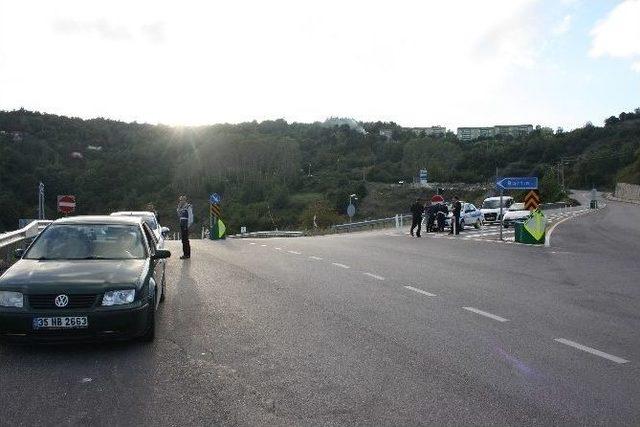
(214, 198)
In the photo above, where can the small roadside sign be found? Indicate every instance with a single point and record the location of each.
(243, 229)
(216, 211)
(532, 200)
(215, 199)
(351, 210)
(66, 204)
(518, 183)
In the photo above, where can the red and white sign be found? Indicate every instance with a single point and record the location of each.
(66, 204)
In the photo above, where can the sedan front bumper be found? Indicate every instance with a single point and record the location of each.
(104, 324)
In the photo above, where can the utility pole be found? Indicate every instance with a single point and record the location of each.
(41, 200)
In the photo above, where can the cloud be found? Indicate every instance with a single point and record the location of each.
(100, 27)
(618, 34)
(563, 26)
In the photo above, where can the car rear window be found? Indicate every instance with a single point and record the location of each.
(88, 241)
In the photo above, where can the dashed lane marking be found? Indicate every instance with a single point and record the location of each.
(264, 246)
(420, 291)
(608, 356)
(337, 264)
(375, 276)
(252, 243)
(486, 314)
(317, 258)
(294, 252)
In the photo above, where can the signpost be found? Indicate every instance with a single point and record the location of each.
(66, 204)
(532, 200)
(216, 226)
(514, 183)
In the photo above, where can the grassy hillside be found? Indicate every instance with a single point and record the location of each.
(279, 174)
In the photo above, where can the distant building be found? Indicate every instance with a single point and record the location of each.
(387, 133)
(430, 131)
(471, 133)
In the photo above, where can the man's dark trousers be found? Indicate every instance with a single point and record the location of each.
(417, 222)
(186, 246)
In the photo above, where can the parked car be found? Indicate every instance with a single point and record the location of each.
(87, 278)
(151, 220)
(469, 215)
(491, 208)
(516, 212)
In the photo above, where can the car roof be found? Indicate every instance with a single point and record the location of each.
(133, 213)
(498, 198)
(99, 219)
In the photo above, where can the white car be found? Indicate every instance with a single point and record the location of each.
(516, 212)
(469, 215)
(151, 220)
(491, 208)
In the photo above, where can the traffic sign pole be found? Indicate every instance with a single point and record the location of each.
(501, 194)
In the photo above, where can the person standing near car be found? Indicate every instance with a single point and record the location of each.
(185, 216)
(417, 209)
(456, 207)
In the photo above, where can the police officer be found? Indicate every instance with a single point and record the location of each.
(185, 216)
(455, 220)
(417, 209)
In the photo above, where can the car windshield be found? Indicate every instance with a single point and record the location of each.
(88, 241)
(493, 204)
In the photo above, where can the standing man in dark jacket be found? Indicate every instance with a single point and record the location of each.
(416, 211)
(185, 216)
(455, 220)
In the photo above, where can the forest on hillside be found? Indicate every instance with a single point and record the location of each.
(275, 174)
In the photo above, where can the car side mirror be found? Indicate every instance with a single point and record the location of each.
(164, 230)
(161, 254)
(18, 253)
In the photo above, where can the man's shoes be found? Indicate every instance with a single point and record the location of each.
(185, 257)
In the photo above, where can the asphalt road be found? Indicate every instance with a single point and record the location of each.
(369, 328)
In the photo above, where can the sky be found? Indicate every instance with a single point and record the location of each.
(417, 63)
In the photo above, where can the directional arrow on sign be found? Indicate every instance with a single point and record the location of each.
(518, 183)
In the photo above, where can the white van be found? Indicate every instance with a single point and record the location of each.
(491, 208)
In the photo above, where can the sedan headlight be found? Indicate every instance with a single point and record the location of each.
(11, 299)
(124, 296)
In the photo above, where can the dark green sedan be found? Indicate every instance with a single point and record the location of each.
(85, 278)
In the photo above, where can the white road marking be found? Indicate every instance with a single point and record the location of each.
(264, 246)
(317, 258)
(278, 249)
(484, 313)
(375, 276)
(340, 265)
(252, 243)
(591, 350)
(294, 252)
(420, 291)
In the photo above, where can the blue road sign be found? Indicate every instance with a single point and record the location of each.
(518, 183)
(215, 198)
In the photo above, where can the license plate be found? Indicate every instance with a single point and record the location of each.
(60, 322)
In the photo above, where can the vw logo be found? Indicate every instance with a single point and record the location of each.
(61, 301)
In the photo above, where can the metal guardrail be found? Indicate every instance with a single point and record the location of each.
(264, 234)
(394, 221)
(14, 239)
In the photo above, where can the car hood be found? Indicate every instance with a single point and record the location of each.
(85, 276)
